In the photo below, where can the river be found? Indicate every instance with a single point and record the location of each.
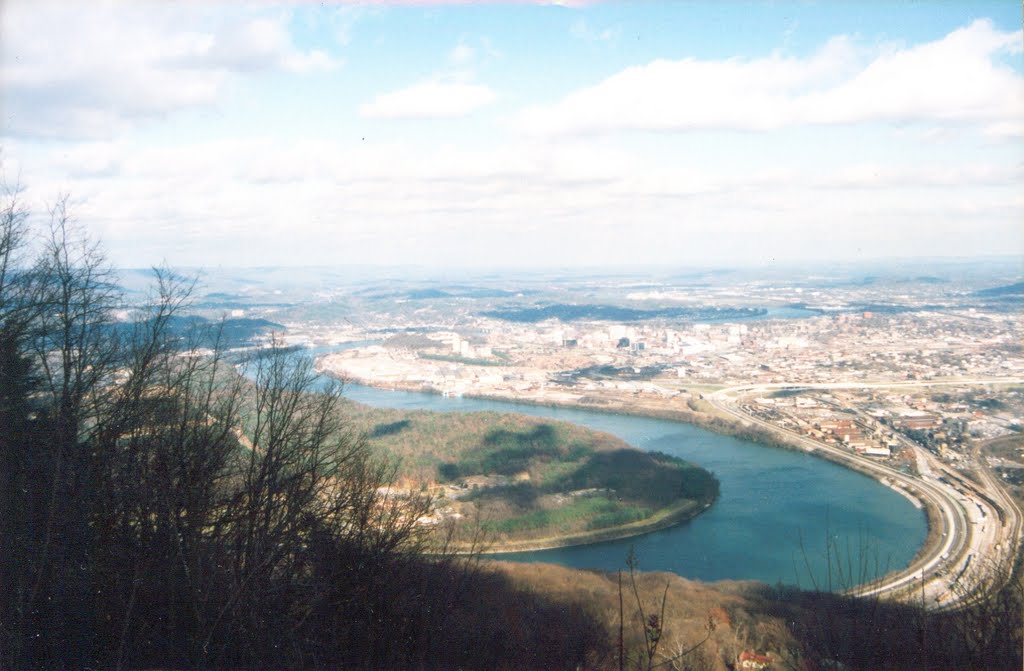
(771, 523)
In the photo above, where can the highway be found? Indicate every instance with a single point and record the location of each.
(978, 525)
(775, 386)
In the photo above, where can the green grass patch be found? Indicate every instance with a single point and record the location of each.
(572, 516)
(615, 518)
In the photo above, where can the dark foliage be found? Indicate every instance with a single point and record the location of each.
(649, 477)
(233, 332)
(389, 428)
(878, 635)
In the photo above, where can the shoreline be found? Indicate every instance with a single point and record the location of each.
(715, 423)
(663, 518)
(917, 503)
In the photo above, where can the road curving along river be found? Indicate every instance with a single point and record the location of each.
(778, 511)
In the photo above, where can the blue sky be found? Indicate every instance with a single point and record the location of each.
(505, 135)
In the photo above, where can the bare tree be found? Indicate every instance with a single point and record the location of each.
(162, 509)
(652, 654)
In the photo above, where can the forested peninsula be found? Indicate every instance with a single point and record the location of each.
(530, 483)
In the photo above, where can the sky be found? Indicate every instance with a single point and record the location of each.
(503, 135)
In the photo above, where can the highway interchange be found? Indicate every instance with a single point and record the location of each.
(979, 523)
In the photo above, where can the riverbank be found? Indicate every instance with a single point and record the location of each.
(661, 519)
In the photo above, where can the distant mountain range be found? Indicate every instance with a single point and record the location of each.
(235, 332)
(1016, 289)
(565, 312)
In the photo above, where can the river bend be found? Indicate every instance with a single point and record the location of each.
(776, 510)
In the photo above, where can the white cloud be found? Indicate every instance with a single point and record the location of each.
(462, 54)
(472, 53)
(895, 176)
(87, 70)
(581, 30)
(956, 79)
(334, 201)
(343, 18)
(432, 99)
(1005, 129)
(262, 43)
(450, 94)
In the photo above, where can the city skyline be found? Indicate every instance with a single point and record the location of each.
(499, 135)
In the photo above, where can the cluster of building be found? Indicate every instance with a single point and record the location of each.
(946, 420)
(850, 348)
(450, 347)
